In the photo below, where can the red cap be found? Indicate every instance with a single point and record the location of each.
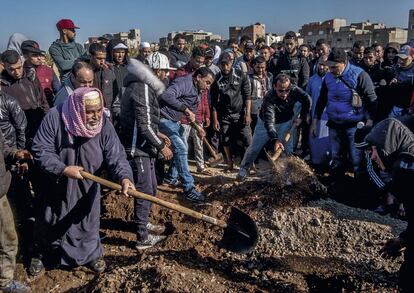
(65, 24)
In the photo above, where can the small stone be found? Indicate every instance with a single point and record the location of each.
(316, 222)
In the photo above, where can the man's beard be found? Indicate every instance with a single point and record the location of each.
(92, 127)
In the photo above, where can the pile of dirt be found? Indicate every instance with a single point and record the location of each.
(307, 243)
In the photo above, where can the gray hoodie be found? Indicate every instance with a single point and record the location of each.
(392, 138)
(64, 55)
(15, 42)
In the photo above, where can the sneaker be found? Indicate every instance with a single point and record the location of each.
(173, 182)
(150, 241)
(36, 266)
(98, 265)
(194, 196)
(156, 229)
(15, 287)
(241, 176)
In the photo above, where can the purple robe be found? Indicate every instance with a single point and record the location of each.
(69, 217)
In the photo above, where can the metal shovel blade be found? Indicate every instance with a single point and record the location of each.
(241, 234)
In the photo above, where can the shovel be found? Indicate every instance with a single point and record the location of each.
(273, 158)
(240, 231)
(217, 157)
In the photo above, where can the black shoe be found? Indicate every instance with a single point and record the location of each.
(98, 265)
(194, 196)
(36, 266)
(15, 287)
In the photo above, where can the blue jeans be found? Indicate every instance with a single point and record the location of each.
(179, 164)
(260, 138)
(342, 144)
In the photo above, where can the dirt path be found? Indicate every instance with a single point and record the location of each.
(307, 244)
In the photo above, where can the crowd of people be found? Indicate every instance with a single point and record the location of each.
(133, 118)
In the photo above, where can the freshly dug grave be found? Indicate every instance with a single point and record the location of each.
(307, 243)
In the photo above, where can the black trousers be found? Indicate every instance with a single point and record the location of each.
(145, 180)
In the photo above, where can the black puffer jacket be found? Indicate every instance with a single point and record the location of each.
(140, 112)
(230, 93)
(12, 122)
(275, 110)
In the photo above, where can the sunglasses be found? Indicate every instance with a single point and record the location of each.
(283, 91)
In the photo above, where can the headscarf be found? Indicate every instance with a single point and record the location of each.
(74, 112)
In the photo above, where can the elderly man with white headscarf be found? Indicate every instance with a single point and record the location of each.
(72, 137)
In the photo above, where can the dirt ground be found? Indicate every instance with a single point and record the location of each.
(308, 242)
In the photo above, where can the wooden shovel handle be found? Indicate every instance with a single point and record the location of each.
(280, 151)
(211, 150)
(153, 199)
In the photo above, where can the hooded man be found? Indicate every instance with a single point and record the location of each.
(74, 136)
(390, 146)
(15, 42)
(117, 55)
(65, 50)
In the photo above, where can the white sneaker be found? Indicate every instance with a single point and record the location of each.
(150, 241)
(157, 229)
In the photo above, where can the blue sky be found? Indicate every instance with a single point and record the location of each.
(37, 19)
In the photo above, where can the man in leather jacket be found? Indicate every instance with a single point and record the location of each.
(277, 115)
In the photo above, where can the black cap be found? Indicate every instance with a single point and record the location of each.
(226, 57)
(337, 55)
(30, 46)
(106, 37)
(360, 133)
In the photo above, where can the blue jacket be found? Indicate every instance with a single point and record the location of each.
(313, 88)
(180, 95)
(337, 97)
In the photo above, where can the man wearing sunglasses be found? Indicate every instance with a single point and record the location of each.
(277, 115)
(64, 51)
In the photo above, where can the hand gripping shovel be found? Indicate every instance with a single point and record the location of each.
(273, 158)
(240, 231)
(217, 157)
